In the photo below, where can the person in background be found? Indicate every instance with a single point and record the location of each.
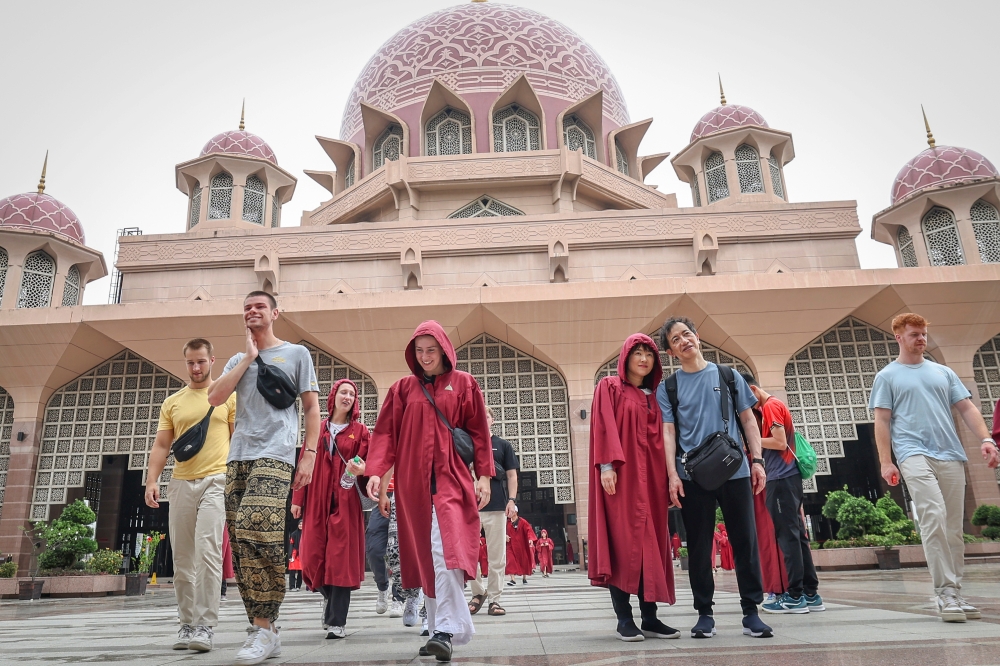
(675, 545)
(295, 558)
(722, 550)
(484, 560)
(520, 550)
(543, 549)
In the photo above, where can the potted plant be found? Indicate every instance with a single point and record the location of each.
(31, 589)
(135, 583)
(883, 525)
(683, 552)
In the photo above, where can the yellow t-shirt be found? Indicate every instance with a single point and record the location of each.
(187, 408)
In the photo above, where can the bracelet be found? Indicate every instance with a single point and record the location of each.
(311, 450)
(987, 440)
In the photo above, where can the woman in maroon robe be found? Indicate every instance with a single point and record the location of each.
(628, 533)
(721, 545)
(543, 548)
(332, 548)
(436, 495)
(484, 560)
(520, 549)
(772, 560)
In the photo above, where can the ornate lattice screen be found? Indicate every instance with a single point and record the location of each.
(986, 369)
(485, 206)
(715, 178)
(748, 169)
(6, 430)
(329, 369)
(532, 407)
(111, 410)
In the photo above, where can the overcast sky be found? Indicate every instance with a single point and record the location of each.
(120, 92)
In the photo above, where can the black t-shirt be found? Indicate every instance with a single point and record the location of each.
(503, 456)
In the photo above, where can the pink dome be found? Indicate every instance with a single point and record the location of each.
(726, 117)
(942, 165)
(32, 210)
(482, 47)
(240, 142)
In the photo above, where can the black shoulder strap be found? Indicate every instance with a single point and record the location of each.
(431, 400)
(728, 377)
(670, 384)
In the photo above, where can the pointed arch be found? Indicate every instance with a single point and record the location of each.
(37, 279)
(220, 196)
(388, 146)
(670, 364)
(110, 410)
(485, 206)
(194, 213)
(4, 263)
(71, 290)
(776, 183)
(577, 135)
(587, 115)
(6, 431)
(906, 250)
(329, 369)
(531, 404)
(440, 99)
(748, 169)
(986, 227)
(716, 180)
(519, 108)
(944, 247)
(254, 196)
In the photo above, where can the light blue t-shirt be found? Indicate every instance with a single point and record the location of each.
(699, 411)
(920, 397)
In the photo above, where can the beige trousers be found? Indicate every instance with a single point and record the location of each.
(495, 526)
(197, 518)
(938, 491)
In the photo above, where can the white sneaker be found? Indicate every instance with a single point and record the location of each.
(201, 639)
(971, 612)
(183, 637)
(260, 644)
(336, 632)
(396, 609)
(949, 609)
(410, 611)
(382, 603)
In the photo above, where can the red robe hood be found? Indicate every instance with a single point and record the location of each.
(436, 331)
(652, 380)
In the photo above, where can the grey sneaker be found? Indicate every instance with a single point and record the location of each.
(183, 637)
(948, 608)
(410, 612)
(971, 612)
(201, 639)
(382, 603)
(396, 609)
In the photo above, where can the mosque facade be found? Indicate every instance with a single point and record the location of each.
(488, 176)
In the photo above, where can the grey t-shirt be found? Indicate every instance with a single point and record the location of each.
(262, 431)
(699, 411)
(920, 397)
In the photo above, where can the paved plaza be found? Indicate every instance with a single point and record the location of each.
(873, 618)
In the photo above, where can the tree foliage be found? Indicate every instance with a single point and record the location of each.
(863, 523)
(67, 538)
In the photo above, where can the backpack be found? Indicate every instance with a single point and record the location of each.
(805, 457)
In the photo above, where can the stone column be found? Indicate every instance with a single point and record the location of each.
(16, 511)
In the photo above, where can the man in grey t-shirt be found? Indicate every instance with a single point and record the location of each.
(913, 398)
(259, 469)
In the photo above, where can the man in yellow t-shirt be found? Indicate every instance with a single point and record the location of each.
(196, 493)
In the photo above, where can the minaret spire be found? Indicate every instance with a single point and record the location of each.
(41, 181)
(722, 93)
(927, 126)
(243, 115)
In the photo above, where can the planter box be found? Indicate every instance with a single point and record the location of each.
(69, 586)
(847, 559)
(135, 584)
(29, 590)
(8, 588)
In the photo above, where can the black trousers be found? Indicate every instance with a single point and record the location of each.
(337, 601)
(698, 511)
(620, 599)
(376, 536)
(784, 499)
(294, 579)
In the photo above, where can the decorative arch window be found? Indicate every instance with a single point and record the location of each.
(578, 136)
(941, 237)
(4, 261)
(449, 133)
(388, 146)
(220, 196)
(36, 281)
(715, 178)
(254, 195)
(516, 129)
(485, 206)
(748, 170)
(194, 216)
(349, 175)
(906, 251)
(986, 226)
(621, 162)
(71, 291)
(695, 192)
(776, 184)
(275, 212)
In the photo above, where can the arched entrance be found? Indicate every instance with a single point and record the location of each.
(6, 431)
(986, 369)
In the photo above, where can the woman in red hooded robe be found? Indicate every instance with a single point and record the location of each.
(521, 539)
(543, 547)
(332, 548)
(629, 553)
(437, 499)
(484, 559)
(721, 545)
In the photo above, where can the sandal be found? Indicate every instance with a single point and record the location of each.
(496, 609)
(476, 603)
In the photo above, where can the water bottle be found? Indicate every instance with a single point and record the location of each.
(347, 480)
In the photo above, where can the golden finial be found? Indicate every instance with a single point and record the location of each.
(243, 115)
(41, 181)
(480, 0)
(927, 126)
(722, 93)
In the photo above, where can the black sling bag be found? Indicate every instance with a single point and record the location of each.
(461, 439)
(189, 444)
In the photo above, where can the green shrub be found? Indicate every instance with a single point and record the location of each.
(8, 569)
(858, 517)
(682, 552)
(105, 561)
(986, 514)
(991, 532)
(67, 538)
(892, 511)
(718, 515)
(833, 501)
(838, 543)
(814, 545)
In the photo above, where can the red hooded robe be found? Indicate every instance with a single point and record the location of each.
(332, 548)
(543, 547)
(628, 530)
(721, 545)
(409, 435)
(484, 559)
(520, 557)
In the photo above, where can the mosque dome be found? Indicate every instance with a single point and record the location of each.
(939, 166)
(239, 142)
(726, 117)
(478, 49)
(38, 211)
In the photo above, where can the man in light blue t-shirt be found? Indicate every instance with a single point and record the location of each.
(912, 398)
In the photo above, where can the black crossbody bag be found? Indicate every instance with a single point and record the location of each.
(189, 444)
(718, 457)
(275, 386)
(461, 439)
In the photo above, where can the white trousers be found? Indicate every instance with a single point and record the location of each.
(448, 612)
(197, 518)
(495, 525)
(938, 491)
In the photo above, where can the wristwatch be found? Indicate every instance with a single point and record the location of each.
(757, 461)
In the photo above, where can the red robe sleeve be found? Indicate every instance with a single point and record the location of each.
(605, 447)
(385, 439)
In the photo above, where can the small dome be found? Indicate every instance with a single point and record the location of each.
(240, 142)
(32, 210)
(939, 166)
(726, 117)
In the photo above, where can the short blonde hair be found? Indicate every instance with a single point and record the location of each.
(900, 322)
(493, 414)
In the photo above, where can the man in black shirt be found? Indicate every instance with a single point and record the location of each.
(494, 517)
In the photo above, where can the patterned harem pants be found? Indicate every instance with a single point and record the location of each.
(256, 493)
(392, 557)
